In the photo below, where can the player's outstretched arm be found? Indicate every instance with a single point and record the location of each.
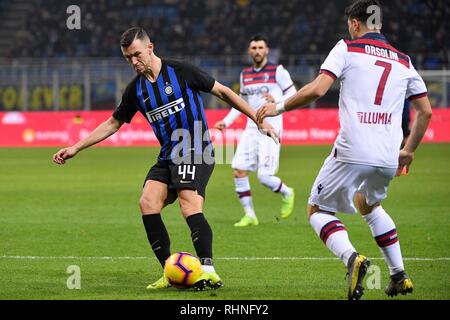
(228, 120)
(420, 125)
(99, 134)
(229, 96)
(306, 95)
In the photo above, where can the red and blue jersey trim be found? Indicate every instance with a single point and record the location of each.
(378, 41)
(417, 96)
(269, 67)
(328, 73)
(267, 74)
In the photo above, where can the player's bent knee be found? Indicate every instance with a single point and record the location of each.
(190, 202)
(188, 209)
(240, 173)
(261, 177)
(368, 209)
(148, 205)
(311, 209)
(361, 204)
(265, 179)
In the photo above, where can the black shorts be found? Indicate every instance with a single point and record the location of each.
(181, 176)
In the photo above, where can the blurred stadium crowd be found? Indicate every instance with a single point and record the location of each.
(212, 27)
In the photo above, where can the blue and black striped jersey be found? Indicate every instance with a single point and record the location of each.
(173, 107)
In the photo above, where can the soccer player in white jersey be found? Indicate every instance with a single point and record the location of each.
(375, 79)
(259, 84)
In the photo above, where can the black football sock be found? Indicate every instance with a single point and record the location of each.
(202, 237)
(157, 236)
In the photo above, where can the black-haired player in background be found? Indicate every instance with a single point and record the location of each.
(167, 93)
(261, 82)
(375, 80)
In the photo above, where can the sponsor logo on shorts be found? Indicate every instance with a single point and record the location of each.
(319, 188)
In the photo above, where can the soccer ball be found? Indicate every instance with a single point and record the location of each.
(182, 269)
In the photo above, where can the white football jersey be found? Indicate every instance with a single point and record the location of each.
(272, 79)
(375, 79)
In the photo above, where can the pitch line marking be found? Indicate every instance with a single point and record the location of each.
(5, 257)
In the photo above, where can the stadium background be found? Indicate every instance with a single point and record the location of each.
(58, 84)
(44, 66)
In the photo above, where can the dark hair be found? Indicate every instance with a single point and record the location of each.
(260, 37)
(358, 10)
(132, 34)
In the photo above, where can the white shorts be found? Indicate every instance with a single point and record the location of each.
(257, 152)
(337, 183)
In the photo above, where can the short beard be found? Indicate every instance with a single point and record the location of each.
(258, 59)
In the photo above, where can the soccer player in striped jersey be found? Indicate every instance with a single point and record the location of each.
(167, 93)
(375, 79)
(260, 83)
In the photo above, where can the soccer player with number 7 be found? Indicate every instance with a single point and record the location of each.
(375, 79)
(167, 93)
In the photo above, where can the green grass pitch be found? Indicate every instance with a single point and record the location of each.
(85, 213)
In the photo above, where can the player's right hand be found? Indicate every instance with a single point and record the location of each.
(266, 110)
(404, 161)
(220, 125)
(64, 154)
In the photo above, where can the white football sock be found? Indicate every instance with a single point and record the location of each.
(208, 268)
(333, 233)
(385, 234)
(245, 196)
(275, 184)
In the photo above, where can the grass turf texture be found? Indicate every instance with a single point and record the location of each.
(89, 208)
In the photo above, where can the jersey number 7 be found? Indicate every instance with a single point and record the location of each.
(380, 90)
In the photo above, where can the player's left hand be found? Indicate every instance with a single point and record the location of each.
(220, 125)
(404, 161)
(266, 129)
(266, 110)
